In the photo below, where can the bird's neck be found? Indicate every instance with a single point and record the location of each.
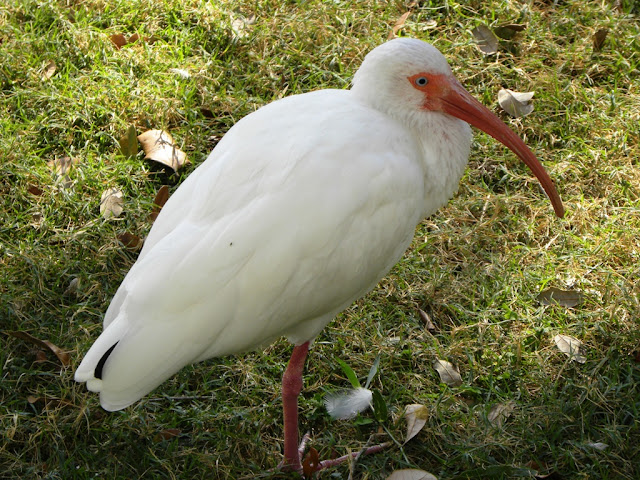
(445, 143)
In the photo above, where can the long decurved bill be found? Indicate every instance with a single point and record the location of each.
(452, 98)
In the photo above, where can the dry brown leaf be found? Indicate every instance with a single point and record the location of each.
(398, 25)
(48, 401)
(500, 412)
(49, 70)
(570, 346)
(449, 374)
(557, 296)
(509, 30)
(166, 434)
(34, 190)
(159, 146)
(598, 39)
(310, 463)
(207, 112)
(63, 356)
(416, 416)
(130, 241)
(516, 104)
(538, 467)
(118, 40)
(129, 142)
(161, 198)
(411, 474)
(111, 203)
(426, 319)
(41, 356)
(487, 42)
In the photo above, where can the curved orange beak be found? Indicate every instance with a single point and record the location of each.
(444, 93)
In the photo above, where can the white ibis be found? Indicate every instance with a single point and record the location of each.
(301, 209)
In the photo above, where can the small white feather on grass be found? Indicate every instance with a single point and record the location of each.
(347, 404)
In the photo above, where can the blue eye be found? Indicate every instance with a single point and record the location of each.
(421, 81)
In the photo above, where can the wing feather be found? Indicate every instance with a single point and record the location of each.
(273, 235)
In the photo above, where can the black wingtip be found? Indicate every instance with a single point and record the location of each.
(98, 371)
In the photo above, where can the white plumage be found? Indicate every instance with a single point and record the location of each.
(301, 208)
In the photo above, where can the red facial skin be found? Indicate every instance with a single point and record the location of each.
(443, 93)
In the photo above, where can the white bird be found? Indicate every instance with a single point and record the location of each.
(300, 209)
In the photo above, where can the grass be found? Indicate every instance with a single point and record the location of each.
(476, 267)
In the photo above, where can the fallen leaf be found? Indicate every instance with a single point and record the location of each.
(429, 24)
(487, 42)
(448, 373)
(556, 296)
(118, 40)
(72, 288)
(129, 143)
(240, 26)
(310, 463)
(63, 356)
(48, 401)
(570, 346)
(398, 25)
(509, 30)
(130, 241)
(166, 434)
(416, 416)
(598, 39)
(161, 198)
(426, 319)
(516, 104)
(597, 445)
(34, 190)
(111, 203)
(207, 112)
(411, 474)
(159, 146)
(62, 166)
(500, 412)
(49, 70)
(537, 468)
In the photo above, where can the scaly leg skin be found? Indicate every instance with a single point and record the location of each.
(291, 388)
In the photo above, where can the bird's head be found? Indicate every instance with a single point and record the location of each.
(412, 76)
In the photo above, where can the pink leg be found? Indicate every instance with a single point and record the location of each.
(291, 387)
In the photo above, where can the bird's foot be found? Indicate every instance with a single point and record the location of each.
(295, 464)
(309, 464)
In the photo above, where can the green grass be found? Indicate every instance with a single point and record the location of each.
(476, 267)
